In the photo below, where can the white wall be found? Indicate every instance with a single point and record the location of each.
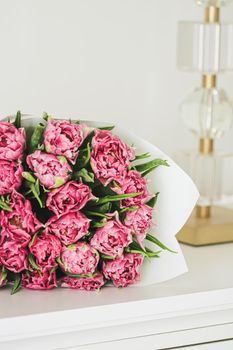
(100, 59)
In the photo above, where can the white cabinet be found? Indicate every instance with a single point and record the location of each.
(135, 345)
(221, 345)
(193, 311)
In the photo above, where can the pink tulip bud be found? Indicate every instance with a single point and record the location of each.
(12, 141)
(124, 270)
(85, 283)
(20, 224)
(52, 171)
(13, 256)
(72, 196)
(133, 182)
(69, 228)
(46, 248)
(39, 280)
(140, 221)
(64, 138)
(112, 238)
(10, 176)
(79, 258)
(110, 157)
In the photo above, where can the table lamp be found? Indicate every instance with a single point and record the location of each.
(207, 47)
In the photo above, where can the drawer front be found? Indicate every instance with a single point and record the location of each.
(206, 338)
(219, 337)
(219, 345)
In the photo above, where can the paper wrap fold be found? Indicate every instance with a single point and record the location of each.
(177, 198)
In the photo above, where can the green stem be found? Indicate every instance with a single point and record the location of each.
(116, 198)
(94, 213)
(158, 243)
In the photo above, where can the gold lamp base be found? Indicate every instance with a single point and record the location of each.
(216, 229)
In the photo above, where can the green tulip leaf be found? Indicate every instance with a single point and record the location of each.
(17, 284)
(158, 243)
(17, 122)
(145, 168)
(151, 203)
(116, 198)
(37, 137)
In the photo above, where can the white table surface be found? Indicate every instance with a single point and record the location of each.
(199, 299)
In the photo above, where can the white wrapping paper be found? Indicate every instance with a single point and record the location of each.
(177, 198)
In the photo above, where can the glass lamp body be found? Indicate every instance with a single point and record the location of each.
(207, 113)
(206, 173)
(205, 47)
(209, 172)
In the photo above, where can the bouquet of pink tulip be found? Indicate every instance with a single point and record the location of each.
(75, 207)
